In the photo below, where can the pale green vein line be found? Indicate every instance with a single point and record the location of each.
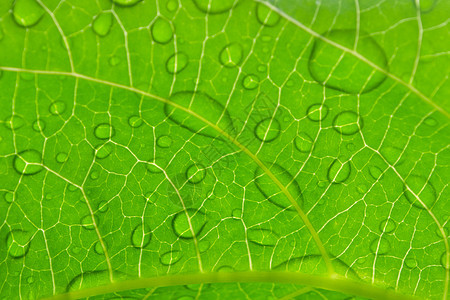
(332, 283)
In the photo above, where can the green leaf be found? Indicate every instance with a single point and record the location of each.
(224, 149)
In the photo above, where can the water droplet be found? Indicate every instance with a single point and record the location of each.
(161, 31)
(87, 222)
(375, 172)
(170, 257)
(135, 121)
(57, 108)
(348, 123)
(104, 131)
(203, 246)
(444, 260)
(114, 61)
(126, 2)
(103, 206)
(266, 16)
(303, 142)
(411, 263)
(94, 175)
(250, 82)
(14, 122)
(180, 223)
(98, 248)
(317, 112)
(38, 125)
(236, 213)
(18, 243)
(172, 5)
(262, 237)
(194, 287)
(426, 5)
(27, 12)
(72, 188)
(380, 246)
(423, 189)
(267, 130)
(362, 188)
(203, 105)
(177, 63)
(30, 279)
(102, 23)
(28, 162)
(339, 172)
(336, 69)
(388, 226)
(9, 197)
(104, 151)
(430, 121)
(231, 55)
(61, 157)
(164, 141)
(195, 173)
(272, 192)
(141, 236)
(262, 68)
(215, 6)
(76, 250)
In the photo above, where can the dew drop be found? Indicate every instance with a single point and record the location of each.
(348, 123)
(195, 173)
(430, 122)
(104, 131)
(339, 172)
(231, 55)
(171, 257)
(388, 225)
(94, 175)
(27, 12)
(203, 246)
(411, 263)
(193, 287)
(161, 31)
(103, 206)
(303, 142)
(236, 213)
(215, 6)
(72, 188)
(164, 141)
(9, 197)
(102, 23)
(262, 237)
(126, 2)
(380, 247)
(177, 63)
(172, 5)
(267, 130)
(135, 121)
(57, 108)
(266, 16)
(87, 222)
(104, 151)
(181, 226)
(61, 157)
(250, 82)
(424, 190)
(30, 279)
(141, 236)
(114, 61)
(76, 250)
(262, 68)
(426, 5)
(362, 188)
(18, 243)
(39, 125)
(14, 122)
(443, 260)
(98, 248)
(317, 112)
(375, 172)
(28, 162)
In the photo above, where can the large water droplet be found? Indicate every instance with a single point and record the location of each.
(102, 23)
(215, 6)
(28, 162)
(98, 248)
(343, 71)
(141, 236)
(303, 142)
(104, 151)
(164, 141)
(57, 108)
(231, 55)
(14, 122)
(388, 226)
(317, 112)
(339, 172)
(250, 82)
(135, 121)
(161, 31)
(199, 104)
(266, 16)
(126, 2)
(172, 5)
(195, 173)
(171, 257)
(348, 123)
(39, 125)
(177, 63)
(18, 243)
(380, 246)
(267, 130)
(411, 263)
(180, 223)
(272, 192)
(262, 237)
(27, 12)
(104, 131)
(61, 157)
(423, 189)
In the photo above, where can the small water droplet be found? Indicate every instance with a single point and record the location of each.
(303, 142)
(87, 222)
(375, 172)
(94, 175)
(126, 2)
(14, 122)
(411, 263)
(231, 55)
(250, 82)
(161, 31)
(170, 257)
(164, 141)
(104, 151)
(267, 130)
(266, 16)
(57, 108)
(72, 188)
(423, 189)
(339, 172)
(362, 188)
(348, 123)
(103, 206)
(177, 63)
(39, 125)
(102, 23)
(322, 184)
(236, 213)
(98, 248)
(317, 112)
(28, 162)
(27, 12)
(30, 279)
(203, 246)
(18, 243)
(61, 157)
(172, 5)
(444, 260)
(104, 131)
(290, 83)
(9, 197)
(135, 121)
(215, 6)
(262, 68)
(181, 227)
(262, 237)
(114, 61)
(76, 250)
(430, 121)
(380, 246)
(141, 236)
(195, 173)
(388, 226)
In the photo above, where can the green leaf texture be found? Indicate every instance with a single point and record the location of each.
(224, 149)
